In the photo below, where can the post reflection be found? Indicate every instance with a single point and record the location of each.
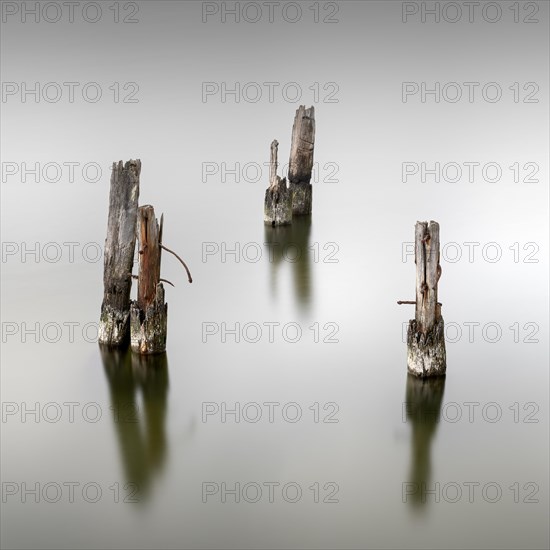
(138, 387)
(290, 244)
(423, 398)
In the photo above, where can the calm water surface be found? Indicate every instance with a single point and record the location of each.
(369, 435)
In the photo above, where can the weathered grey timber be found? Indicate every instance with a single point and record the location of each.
(278, 197)
(301, 160)
(273, 164)
(426, 355)
(114, 324)
(148, 314)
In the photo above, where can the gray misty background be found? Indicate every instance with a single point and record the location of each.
(361, 209)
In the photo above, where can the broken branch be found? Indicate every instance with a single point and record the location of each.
(182, 262)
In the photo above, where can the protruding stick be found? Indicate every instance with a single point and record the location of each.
(182, 262)
(412, 302)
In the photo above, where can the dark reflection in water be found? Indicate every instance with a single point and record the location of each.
(423, 399)
(140, 429)
(290, 244)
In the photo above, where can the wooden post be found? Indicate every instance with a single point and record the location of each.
(273, 164)
(278, 197)
(426, 355)
(148, 314)
(114, 324)
(301, 160)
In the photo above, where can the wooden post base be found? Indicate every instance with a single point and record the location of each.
(278, 204)
(301, 198)
(114, 326)
(426, 355)
(148, 328)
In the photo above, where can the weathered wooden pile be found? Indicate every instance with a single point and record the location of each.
(284, 200)
(426, 355)
(143, 322)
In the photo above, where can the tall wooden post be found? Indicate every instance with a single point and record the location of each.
(278, 198)
(148, 314)
(301, 160)
(114, 324)
(426, 355)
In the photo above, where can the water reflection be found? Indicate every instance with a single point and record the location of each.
(289, 244)
(139, 423)
(423, 399)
